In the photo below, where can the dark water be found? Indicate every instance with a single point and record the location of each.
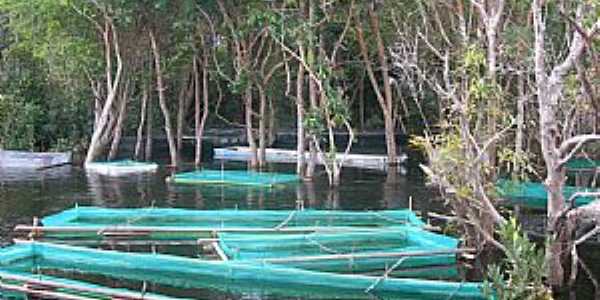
(26, 194)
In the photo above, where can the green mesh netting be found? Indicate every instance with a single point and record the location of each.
(236, 276)
(70, 287)
(534, 195)
(250, 178)
(580, 164)
(92, 216)
(390, 240)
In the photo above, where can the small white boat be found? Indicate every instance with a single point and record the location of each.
(25, 159)
(121, 167)
(362, 161)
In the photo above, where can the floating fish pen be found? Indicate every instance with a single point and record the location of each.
(174, 223)
(348, 252)
(121, 167)
(583, 164)
(232, 275)
(362, 161)
(535, 195)
(229, 177)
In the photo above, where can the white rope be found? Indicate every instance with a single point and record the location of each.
(385, 274)
(287, 220)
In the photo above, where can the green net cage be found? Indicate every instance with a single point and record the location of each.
(535, 195)
(233, 177)
(237, 276)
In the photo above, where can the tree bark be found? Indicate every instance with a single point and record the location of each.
(249, 127)
(162, 100)
(97, 143)
(118, 130)
(385, 100)
(149, 123)
(262, 134)
(300, 141)
(140, 129)
(201, 122)
(549, 94)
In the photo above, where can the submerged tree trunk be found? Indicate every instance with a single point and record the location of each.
(140, 129)
(201, 122)
(312, 92)
(262, 134)
(118, 130)
(162, 101)
(111, 44)
(249, 127)
(385, 100)
(182, 105)
(149, 122)
(300, 142)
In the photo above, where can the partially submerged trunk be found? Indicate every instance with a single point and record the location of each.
(300, 142)
(103, 127)
(385, 99)
(262, 134)
(140, 129)
(149, 122)
(162, 100)
(118, 130)
(200, 122)
(249, 127)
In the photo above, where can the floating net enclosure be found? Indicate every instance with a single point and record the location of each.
(239, 276)
(535, 195)
(582, 164)
(248, 178)
(184, 224)
(352, 252)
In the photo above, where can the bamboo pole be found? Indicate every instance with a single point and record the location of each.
(367, 255)
(220, 251)
(137, 230)
(110, 292)
(108, 242)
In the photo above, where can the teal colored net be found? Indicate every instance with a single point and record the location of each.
(249, 178)
(98, 217)
(238, 276)
(580, 164)
(535, 195)
(345, 252)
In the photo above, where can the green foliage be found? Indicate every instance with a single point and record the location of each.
(521, 273)
(314, 122)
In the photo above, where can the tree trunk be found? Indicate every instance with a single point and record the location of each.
(182, 106)
(162, 101)
(118, 130)
(97, 143)
(201, 122)
(149, 122)
(272, 128)
(388, 101)
(249, 127)
(198, 157)
(312, 92)
(140, 129)
(519, 136)
(262, 135)
(300, 141)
